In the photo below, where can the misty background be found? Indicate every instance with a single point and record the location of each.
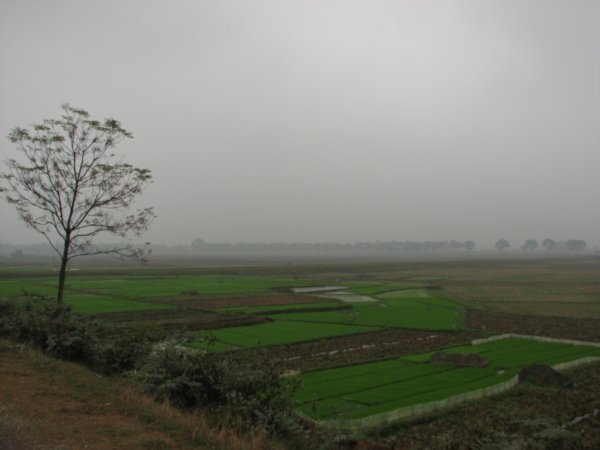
(327, 121)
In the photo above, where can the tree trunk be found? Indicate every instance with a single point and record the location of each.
(62, 275)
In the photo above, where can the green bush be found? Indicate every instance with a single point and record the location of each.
(258, 397)
(7, 309)
(254, 396)
(56, 330)
(181, 376)
(51, 328)
(120, 350)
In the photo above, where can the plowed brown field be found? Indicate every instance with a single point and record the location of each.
(556, 327)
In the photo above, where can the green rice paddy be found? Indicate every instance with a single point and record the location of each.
(366, 389)
(411, 308)
(407, 308)
(131, 293)
(272, 333)
(157, 286)
(392, 305)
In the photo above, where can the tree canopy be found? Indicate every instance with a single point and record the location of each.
(576, 245)
(502, 244)
(549, 244)
(529, 244)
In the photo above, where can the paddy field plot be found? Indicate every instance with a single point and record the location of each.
(272, 333)
(105, 293)
(165, 286)
(262, 309)
(80, 301)
(389, 305)
(366, 389)
(410, 308)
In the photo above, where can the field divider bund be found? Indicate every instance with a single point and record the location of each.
(533, 338)
(420, 409)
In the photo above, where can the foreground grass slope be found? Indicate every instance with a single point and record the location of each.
(63, 405)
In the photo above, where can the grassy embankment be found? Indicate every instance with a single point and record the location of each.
(49, 403)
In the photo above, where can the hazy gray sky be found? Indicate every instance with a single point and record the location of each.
(344, 120)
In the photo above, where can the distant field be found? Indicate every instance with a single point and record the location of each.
(552, 287)
(129, 293)
(96, 303)
(82, 302)
(379, 288)
(367, 389)
(415, 308)
(272, 333)
(411, 308)
(157, 286)
(287, 307)
(396, 305)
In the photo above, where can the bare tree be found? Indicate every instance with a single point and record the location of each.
(71, 188)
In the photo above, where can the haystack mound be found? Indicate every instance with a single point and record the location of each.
(542, 375)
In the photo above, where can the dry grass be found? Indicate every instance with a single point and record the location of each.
(63, 405)
(545, 288)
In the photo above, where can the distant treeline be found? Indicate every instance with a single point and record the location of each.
(198, 245)
(22, 250)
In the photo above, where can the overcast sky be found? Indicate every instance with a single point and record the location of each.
(313, 121)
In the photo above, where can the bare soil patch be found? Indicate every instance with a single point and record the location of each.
(357, 348)
(459, 359)
(526, 417)
(235, 302)
(183, 319)
(556, 327)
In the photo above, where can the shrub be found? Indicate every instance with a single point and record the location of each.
(259, 397)
(7, 309)
(56, 330)
(255, 396)
(181, 376)
(120, 350)
(51, 328)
